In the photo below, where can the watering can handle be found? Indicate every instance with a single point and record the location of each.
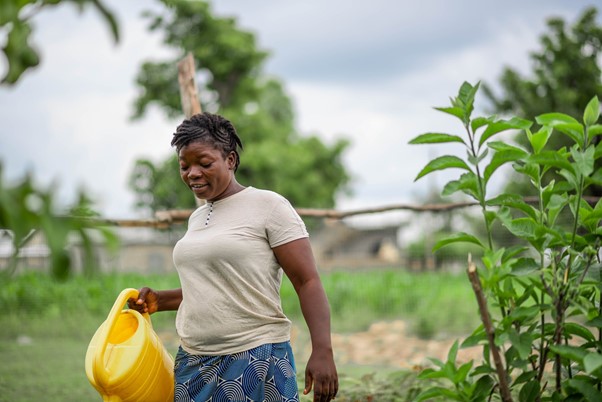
(100, 371)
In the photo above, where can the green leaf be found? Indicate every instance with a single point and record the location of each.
(539, 139)
(592, 362)
(573, 353)
(592, 112)
(529, 392)
(436, 138)
(594, 130)
(521, 342)
(525, 267)
(459, 237)
(502, 157)
(554, 206)
(476, 338)
(584, 160)
(586, 388)
(522, 227)
(478, 122)
(452, 354)
(18, 51)
(571, 328)
(454, 111)
(441, 163)
(431, 374)
(551, 159)
(462, 372)
(514, 201)
(467, 183)
(525, 377)
(503, 146)
(553, 119)
(435, 392)
(595, 322)
(109, 18)
(483, 388)
(468, 93)
(573, 131)
(502, 125)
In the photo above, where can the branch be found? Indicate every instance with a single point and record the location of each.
(164, 219)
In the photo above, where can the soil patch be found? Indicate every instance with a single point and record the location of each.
(388, 344)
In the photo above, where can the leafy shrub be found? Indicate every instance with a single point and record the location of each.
(539, 299)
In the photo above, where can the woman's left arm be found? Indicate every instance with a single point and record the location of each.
(297, 261)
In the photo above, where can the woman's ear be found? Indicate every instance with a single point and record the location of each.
(231, 161)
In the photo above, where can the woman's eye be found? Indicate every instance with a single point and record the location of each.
(182, 168)
(205, 165)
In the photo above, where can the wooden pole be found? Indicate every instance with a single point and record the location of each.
(188, 93)
(188, 89)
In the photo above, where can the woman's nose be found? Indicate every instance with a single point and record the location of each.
(195, 171)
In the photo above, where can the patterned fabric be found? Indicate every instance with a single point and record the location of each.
(263, 374)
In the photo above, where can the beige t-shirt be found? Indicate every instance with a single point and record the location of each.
(229, 275)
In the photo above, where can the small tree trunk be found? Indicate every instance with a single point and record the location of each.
(486, 318)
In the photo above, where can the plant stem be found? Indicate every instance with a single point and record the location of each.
(490, 331)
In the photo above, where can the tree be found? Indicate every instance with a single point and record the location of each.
(15, 19)
(275, 156)
(24, 207)
(566, 75)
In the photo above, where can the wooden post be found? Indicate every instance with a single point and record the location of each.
(188, 93)
(188, 89)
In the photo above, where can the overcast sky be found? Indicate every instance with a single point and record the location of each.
(368, 71)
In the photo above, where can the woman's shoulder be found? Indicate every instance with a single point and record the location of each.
(263, 195)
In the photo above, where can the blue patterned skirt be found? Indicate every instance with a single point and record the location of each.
(264, 374)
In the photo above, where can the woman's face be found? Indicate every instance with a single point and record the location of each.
(205, 171)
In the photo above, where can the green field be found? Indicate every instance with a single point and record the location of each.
(46, 326)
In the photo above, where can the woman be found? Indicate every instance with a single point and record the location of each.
(235, 338)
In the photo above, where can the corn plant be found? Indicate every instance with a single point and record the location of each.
(539, 299)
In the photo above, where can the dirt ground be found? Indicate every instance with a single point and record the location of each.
(388, 344)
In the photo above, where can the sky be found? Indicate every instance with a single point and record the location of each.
(370, 72)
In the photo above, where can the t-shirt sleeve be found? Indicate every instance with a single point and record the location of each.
(284, 224)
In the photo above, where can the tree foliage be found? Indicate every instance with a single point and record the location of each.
(15, 20)
(25, 208)
(232, 83)
(566, 74)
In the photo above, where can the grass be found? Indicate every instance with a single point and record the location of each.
(47, 325)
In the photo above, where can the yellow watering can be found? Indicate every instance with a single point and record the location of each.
(126, 361)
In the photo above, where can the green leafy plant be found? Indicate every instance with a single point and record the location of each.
(25, 209)
(16, 21)
(539, 299)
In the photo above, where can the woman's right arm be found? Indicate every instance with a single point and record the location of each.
(150, 301)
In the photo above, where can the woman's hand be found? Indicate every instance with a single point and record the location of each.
(321, 373)
(147, 301)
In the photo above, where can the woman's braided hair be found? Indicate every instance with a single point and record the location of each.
(211, 129)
